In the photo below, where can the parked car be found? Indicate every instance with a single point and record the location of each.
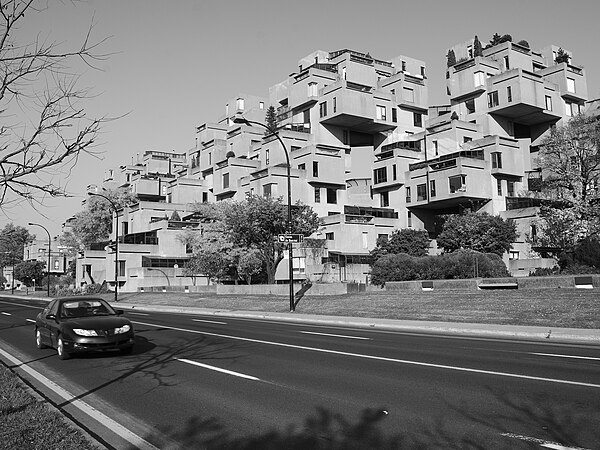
(82, 324)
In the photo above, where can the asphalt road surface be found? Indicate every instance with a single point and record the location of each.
(197, 381)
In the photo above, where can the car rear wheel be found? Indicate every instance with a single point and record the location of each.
(60, 348)
(38, 339)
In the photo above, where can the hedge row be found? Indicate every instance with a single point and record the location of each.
(460, 264)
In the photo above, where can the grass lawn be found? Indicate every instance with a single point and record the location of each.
(570, 308)
(28, 423)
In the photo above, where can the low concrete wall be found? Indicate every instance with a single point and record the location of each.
(554, 282)
(207, 289)
(263, 289)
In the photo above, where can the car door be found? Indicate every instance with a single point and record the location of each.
(43, 323)
(52, 324)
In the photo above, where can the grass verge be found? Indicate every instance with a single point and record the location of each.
(26, 422)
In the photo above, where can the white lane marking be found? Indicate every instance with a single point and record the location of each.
(380, 358)
(20, 304)
(109, 423)
(218, 369)
(336, 335)
(137, 313)
(5, 313)
(566, 356)
(209, 321)
(30, 320)
(541, 442)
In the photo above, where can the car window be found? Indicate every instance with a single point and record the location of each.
(52, 307)
(85, 308)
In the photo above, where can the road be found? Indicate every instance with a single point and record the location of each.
(241, 383)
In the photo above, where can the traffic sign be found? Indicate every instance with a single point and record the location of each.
(292, 237)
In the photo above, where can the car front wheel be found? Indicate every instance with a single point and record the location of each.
(38, 339)
(60, 348)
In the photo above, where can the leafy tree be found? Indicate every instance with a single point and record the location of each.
(12, 241)
(271, 120)
(96, 222)
(250, 264)
(27, 271)
(479, 232)
(477, 47)
(410, 241)
(562, 57)
(523, 43)
(175, 217)
(45, 128)
(496, 39)
(450, 58)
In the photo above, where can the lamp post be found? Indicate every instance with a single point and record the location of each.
(49, 249)
(240, 119)
(116, 241)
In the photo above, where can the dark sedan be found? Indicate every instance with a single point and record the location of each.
(82, 324)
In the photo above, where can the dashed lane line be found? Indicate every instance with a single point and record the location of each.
(209, 321)
(591, 358)
(218, 369)
(381, 358)
(336, 335)
(541, 442)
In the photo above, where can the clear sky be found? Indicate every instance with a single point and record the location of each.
(174, 64)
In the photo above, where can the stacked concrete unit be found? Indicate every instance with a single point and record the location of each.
(367, 153)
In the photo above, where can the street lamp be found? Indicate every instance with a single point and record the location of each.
(49, 249)
(242, 120)
(116, 241)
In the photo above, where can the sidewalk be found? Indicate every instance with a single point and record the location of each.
(550, 335)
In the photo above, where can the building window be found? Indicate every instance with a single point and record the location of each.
(499, 187)
(261, 105)
(408, 94)
(457, 183)
(493, 99)
(267, 159)
(571, 84)
(312, 89)
(329, 236)
(403, 66)
(417, 119)
(315, 169)
(267, 191)
(435, 148)
(323, 109)
(432, 188)
(509, 93)
(513, 254)
(317, 195)
(225, 180)
(380, 112)
(423, 71)
(209, 158)
(331, 196)
(205, 197)
(421, 192)
(548, 103)
(56, 264)
(239, 104)
(384, 199)
(470, 51)
(365, 239)
(121, 268)
(510, 188)
(334, 104)
(470, 105)
(506, 63)
(408, 196)
(380, 175)
(467, 139)
(479, 78)
(409, 221)
(496, 160)
(302, 166)
(394, 172)
(394, 115)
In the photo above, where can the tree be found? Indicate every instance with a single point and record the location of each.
(496, 39)
(44, 127)
(450, 58)
(477, 47)
(479, 232)
(12, 240)
(27, 271)
(96, 222)
(271, 120)
(562, 57)
(250, 264)
(410, 241)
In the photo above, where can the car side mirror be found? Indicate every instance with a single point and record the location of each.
(119, 312)
(51, 317)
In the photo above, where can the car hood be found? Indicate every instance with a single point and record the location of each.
(96, 323)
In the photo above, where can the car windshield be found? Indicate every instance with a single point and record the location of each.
(85, 308)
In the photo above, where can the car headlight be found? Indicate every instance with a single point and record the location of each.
(82, 332)
(123, 329)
